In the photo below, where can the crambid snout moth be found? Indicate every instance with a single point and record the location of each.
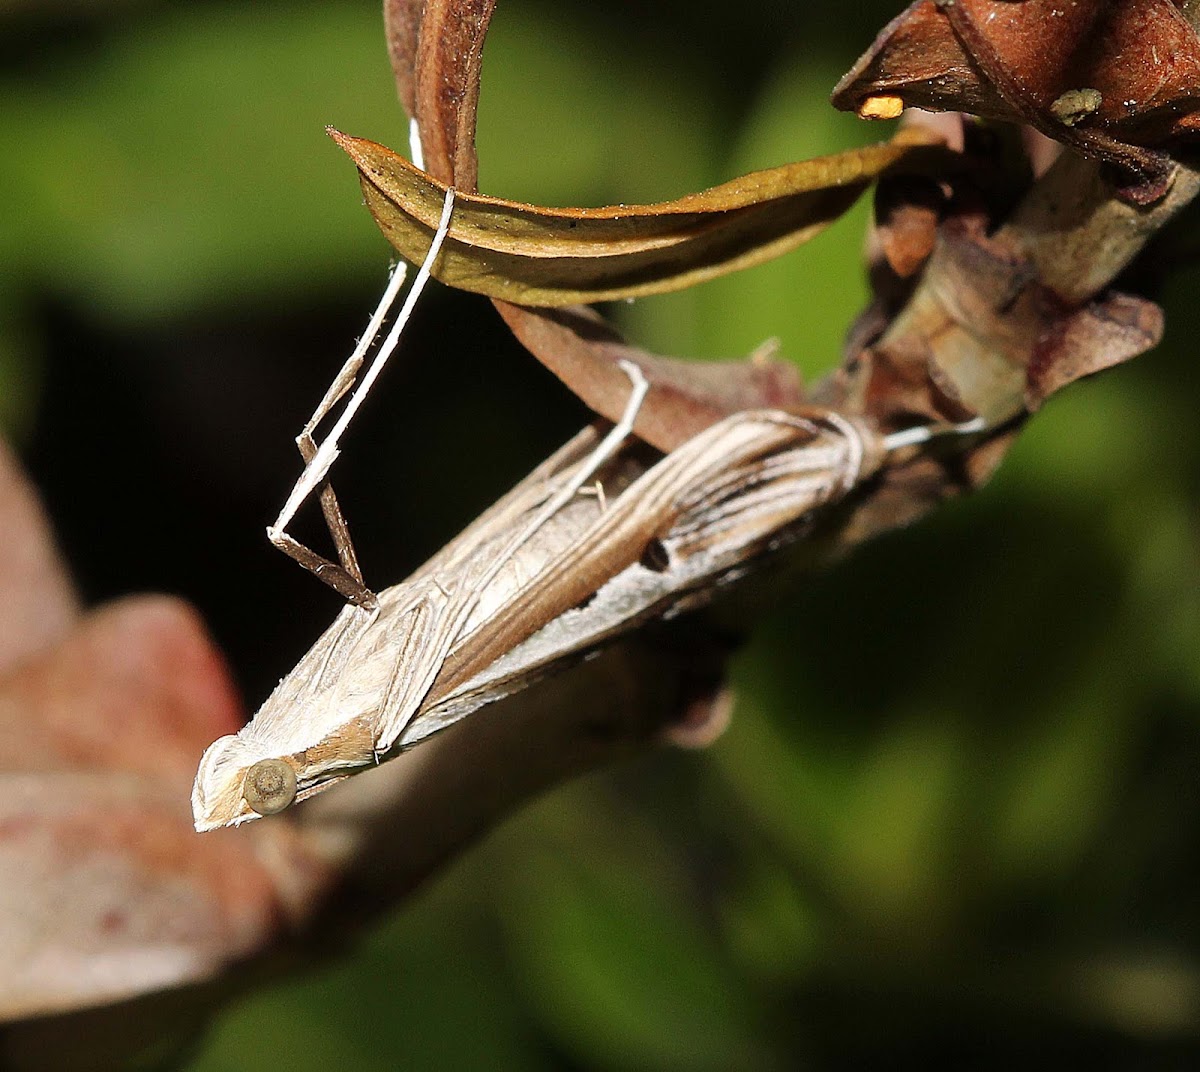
(484, 616)
(546, 575)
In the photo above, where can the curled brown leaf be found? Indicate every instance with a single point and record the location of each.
(534, 255)
(1116, 82)
(573, 343)
(436, 49)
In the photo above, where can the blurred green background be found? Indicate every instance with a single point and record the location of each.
(954, 820)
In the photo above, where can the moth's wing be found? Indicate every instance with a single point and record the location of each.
(289, 720)
(713, 504)
(418, 642)
(443, 592)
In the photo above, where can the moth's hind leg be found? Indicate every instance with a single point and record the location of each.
(345, 576)
(604, 450)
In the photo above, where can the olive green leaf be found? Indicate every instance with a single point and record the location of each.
(533, 255)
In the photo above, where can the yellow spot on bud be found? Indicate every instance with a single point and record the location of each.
(884, 106)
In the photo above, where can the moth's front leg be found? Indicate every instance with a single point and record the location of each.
(346, 577)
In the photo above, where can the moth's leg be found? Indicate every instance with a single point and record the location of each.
(923, 433)
(327, 451)
(337, 577)
(603, 451)
(346, 578)
(595, 490)
(416, 151)
(335, 521)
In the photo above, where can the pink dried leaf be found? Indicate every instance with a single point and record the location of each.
(116, 894)
(37, 599)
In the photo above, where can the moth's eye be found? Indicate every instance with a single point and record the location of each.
(269, 786)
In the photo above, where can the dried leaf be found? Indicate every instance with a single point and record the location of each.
(1114, 81)
(1097, 337)
(918, 58)
(37, 600)
(573, 343)
(402, 27)
(115, 898)
(907, 212)
(1137, 61)
(581, 349)
(532, 255)
(685, 397)
(436, 49)
(140, 718)
(98, 739)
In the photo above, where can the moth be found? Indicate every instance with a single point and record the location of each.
(601, 537)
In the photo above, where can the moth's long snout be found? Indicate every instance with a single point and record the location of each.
(217, 792)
